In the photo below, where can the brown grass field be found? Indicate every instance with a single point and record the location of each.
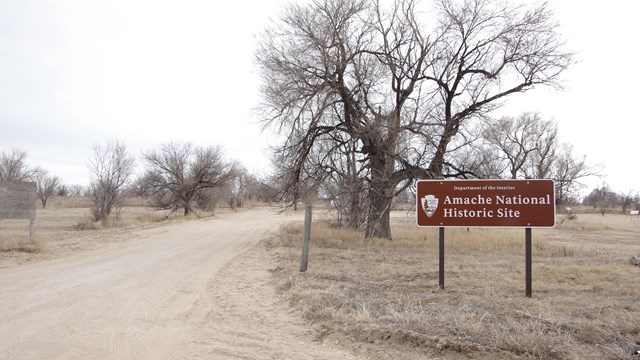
(586, 294)
(585, 304)
(65, 227)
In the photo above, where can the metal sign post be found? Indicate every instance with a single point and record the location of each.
(527, 267)
(441, 262)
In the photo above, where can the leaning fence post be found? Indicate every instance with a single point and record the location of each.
(304, 259)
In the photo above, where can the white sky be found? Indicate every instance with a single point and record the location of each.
(75, 73)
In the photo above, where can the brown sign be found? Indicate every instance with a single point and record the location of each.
(486, 203)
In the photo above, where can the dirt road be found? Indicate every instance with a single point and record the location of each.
(196, 290)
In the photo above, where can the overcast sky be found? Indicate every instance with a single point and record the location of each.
(75, 73)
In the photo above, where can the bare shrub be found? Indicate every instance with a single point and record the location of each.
(46, 186)
(207, 199)
(109, 170)
(180, 173)
(21, 244)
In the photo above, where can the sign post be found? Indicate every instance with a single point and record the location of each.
(527, 266)
(441, 257)
(486, 203)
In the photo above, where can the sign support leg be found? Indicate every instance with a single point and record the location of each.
(527, 272)
(441, 262)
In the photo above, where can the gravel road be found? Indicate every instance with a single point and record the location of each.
(193, 290)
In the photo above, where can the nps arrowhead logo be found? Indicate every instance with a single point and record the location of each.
(429, 204)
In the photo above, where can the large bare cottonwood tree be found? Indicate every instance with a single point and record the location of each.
(353, 75)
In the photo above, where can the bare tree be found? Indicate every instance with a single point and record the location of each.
(527, 144)
(263, 190)
(529, 147)
(208, 198)
(349, 72)
(601, 198)
(345, 185)
(627, 199)
(110, 170)
(237, 188)
(568, 171)
(179, 172)
(485, 162)
(63, 190)
(13, 166)
(542, 160)
(140, 187)
(75, 190)
(294, 181)
(46, 185)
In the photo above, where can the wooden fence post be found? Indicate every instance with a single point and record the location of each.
(304, 259)
(32, 229)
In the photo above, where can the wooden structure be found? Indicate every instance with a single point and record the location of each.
(18, 201)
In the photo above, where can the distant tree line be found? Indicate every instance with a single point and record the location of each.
(602, 198)
(176, 176)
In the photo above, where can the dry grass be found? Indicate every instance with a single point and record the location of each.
(66, 226)
(585, 303)
(20, 244)
(137, 216)
(66, 202)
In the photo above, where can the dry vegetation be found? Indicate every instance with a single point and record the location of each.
(585, 291)
(66, 227)
(584, 306)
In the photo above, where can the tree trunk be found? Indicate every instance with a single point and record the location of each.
(378, 222)
(450, 130)
(437, 162)
(356, 201)
(355, 206)
(187, 203)
(380, 195)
